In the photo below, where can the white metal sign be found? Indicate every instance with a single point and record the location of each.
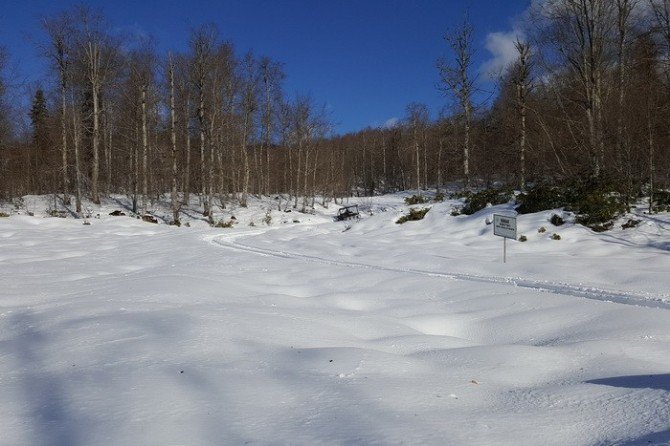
(504, 226)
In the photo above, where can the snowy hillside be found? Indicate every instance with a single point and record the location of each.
(290, 328)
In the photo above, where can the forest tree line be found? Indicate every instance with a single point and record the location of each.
(588, 96)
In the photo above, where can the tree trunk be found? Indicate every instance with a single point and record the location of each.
(439, 165)
(96, 145)
(652, 167)
(187, 173)
(66, 182)
(145, 150)
(201, 121)
(173, 141)
(521, 94)
(245, 158)
(77, 162)
(466, 144)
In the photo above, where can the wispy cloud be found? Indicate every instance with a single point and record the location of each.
(391, 123)
(503, 52)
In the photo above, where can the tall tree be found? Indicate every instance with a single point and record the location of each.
(521, 81)
(271, 78)
(98, 53)
(581, 31)
(59, 30)
(417, 121)
(456, 80)
(203, 41)
(173, 140)
(248, 107)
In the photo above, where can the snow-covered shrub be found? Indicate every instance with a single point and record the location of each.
(415, 199)
(555, 236)
(597, 210)
(413, 215)
(149, 219)
(542, 229)
(523, 238)
(479, 200)
(661, 201)
(631, 223)
(56, 213)
(556, 220)
(540, 198)
(594, 201)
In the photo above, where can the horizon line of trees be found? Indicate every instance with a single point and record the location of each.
(588, 96)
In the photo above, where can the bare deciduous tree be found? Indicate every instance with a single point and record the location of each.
(456, 80)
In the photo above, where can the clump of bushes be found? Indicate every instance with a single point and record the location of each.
(661, 201)
(149, 219)
(439, 197)
(268, 218)
(593, 201)
(460, 194)
(413, 215)
(631, 223)
(523, 238)
(415, 199)
(555, 237)
(598, 209)
(3, 215)
(541, 198)
(479, 200)
(56, 213)
(601, 227)
(542, 230)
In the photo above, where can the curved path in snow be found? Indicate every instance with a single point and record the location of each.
(601, 294)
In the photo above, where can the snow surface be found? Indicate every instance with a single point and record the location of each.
(309, 331)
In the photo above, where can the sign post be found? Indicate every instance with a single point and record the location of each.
(504, 226)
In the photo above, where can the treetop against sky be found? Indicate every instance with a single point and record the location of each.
(365, 59)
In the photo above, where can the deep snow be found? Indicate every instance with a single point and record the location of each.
(317, 332)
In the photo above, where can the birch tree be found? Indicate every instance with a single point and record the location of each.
(99, 56)
(58, 50)
(271, 77)
(417, 120)
(248, 106)
(521, 81)
(457, 81)
(202, 45)
(173, 141)
(582, 30)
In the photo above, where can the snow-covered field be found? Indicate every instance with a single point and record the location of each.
(309, 331)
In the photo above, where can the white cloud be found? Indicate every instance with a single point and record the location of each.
(503, 52)
(391, 123)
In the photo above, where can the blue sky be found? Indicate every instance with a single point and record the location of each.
(364, 59)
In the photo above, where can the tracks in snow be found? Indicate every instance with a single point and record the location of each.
(604, 295)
